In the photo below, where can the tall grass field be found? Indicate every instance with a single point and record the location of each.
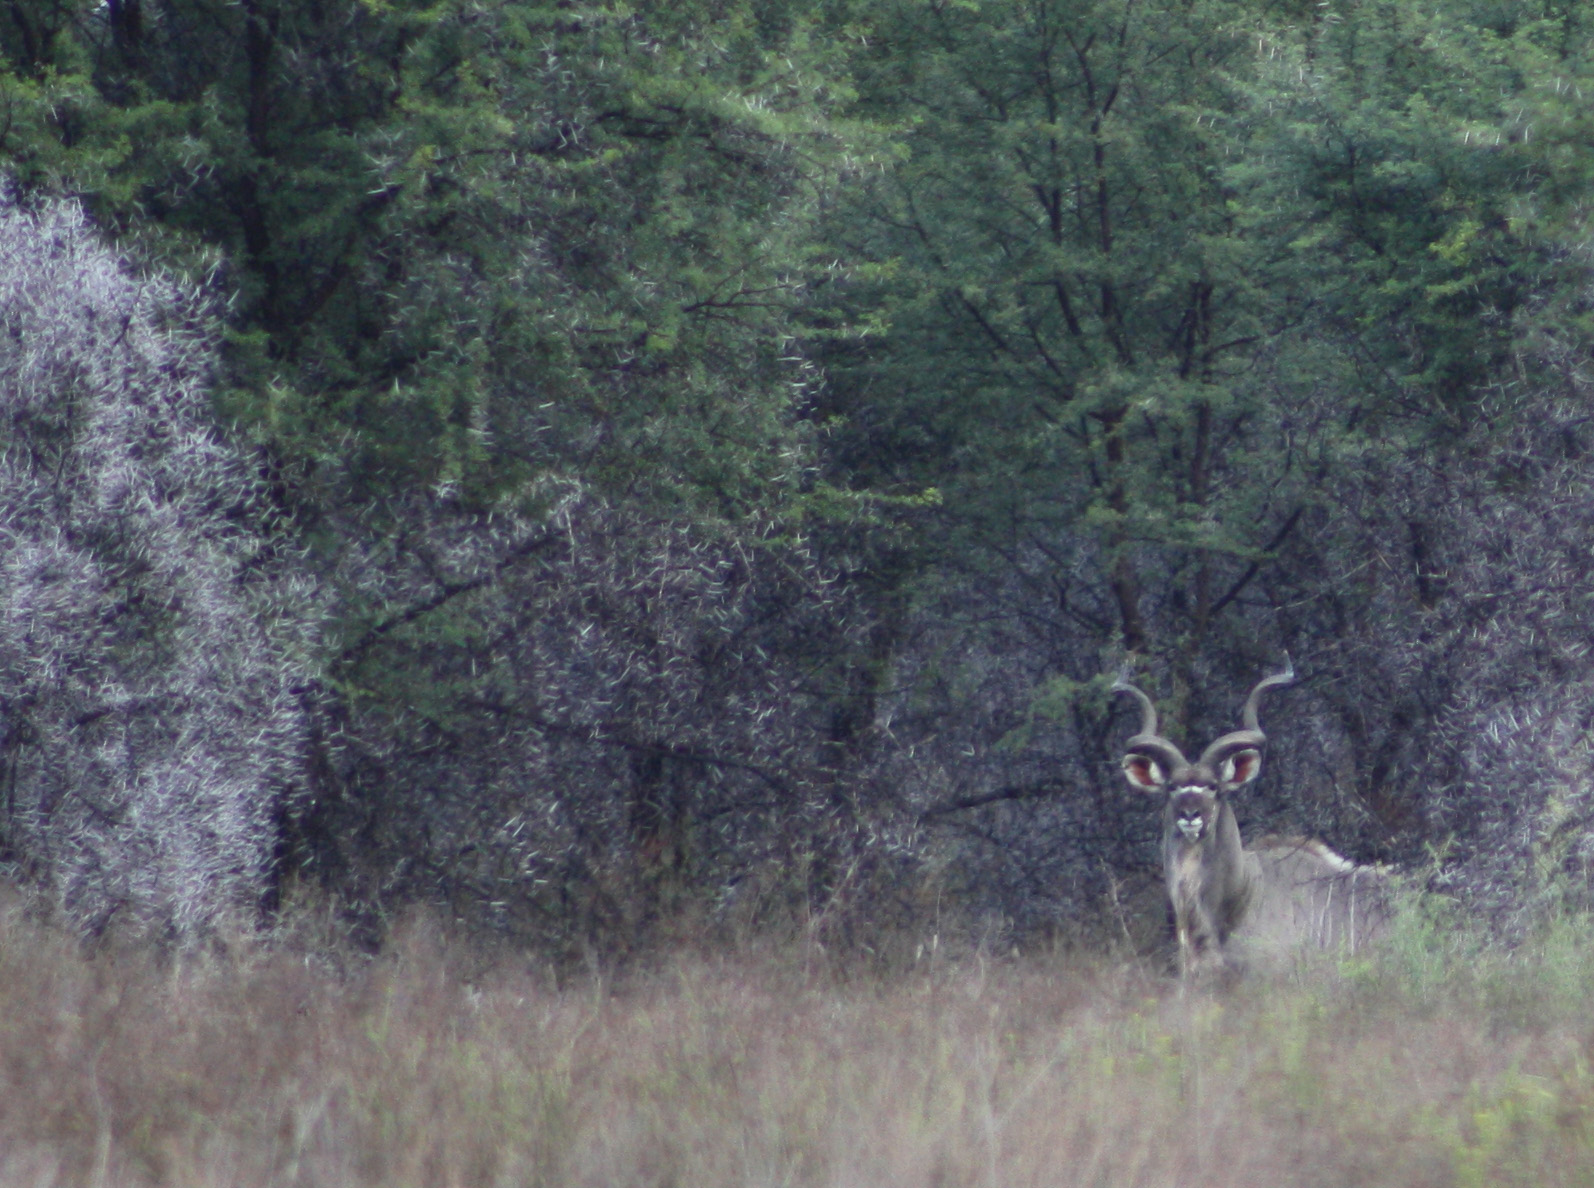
(1441, 1061)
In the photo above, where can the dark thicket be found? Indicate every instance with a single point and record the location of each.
(1436, 601)
(626, 722)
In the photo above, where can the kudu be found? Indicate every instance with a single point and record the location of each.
(1234, 906)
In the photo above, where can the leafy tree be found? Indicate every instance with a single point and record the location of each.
(1387, 162)
(473, 245)
(1403, 169)
(1073, 308)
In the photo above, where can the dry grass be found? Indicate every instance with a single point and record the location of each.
(426, 1067)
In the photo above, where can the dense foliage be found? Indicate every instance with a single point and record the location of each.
(721, 446)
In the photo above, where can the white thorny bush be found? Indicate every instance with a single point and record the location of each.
(153, 649)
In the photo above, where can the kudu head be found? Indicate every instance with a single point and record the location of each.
(1196, 790)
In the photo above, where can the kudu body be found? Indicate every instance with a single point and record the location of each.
(1233, 906)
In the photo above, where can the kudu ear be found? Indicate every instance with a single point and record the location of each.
(1144, 773)
(1150, 759)
(1241, 767)
(1237, 758)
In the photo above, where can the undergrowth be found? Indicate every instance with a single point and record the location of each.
(1444, 1059)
